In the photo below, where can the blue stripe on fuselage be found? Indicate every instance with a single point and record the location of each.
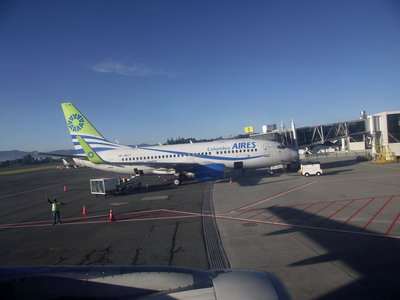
(187, 154)
(203, 156)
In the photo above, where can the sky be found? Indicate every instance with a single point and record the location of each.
(145, 71)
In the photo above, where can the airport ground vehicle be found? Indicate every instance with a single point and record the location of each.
(103, 186)
(110, 186)
(310, 168)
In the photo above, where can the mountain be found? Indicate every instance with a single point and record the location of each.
(16, 154)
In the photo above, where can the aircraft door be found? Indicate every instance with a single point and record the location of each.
(266, 150)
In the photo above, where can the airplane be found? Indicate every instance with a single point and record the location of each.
(199, 161)
(67, 163)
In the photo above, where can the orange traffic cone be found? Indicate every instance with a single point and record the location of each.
(65, 188)
(111, 216)
(84, 212)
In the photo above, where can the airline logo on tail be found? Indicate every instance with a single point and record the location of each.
(75, 122)
(79, 126)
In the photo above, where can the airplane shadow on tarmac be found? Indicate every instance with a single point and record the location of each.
(327, 173)
(254, 177)
(256, 181)
(375, 258)
(151, 188)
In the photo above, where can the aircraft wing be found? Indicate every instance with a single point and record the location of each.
(64, 155)
(132, 282)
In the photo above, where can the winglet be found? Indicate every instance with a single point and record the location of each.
(90, 153)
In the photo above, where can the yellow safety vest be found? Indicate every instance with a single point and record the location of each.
(54, 206)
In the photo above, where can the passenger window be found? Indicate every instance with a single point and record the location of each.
(255, 149)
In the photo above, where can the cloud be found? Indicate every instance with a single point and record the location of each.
(128, 69)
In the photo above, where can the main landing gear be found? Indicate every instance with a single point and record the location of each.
(178, 179)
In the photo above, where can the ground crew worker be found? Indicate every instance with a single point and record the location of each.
(55, 209)
(122, 185)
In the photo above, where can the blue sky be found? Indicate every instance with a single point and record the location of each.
(145, 71)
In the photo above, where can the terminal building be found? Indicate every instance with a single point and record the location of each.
(377, 134)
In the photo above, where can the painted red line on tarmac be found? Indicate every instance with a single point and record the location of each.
(391, 225)
(181, 212)
(277, 214)
(312, 215)
(257, 214)
(157, 215)
(343, 200)
(297, 212)
(367, 234)
(335, 213)
(272, 197)
(353, 215)
(76, 220)
(142, 212)
(377, 213)
(89, 220)
(73, 220)
(156, 218)
(243, 212)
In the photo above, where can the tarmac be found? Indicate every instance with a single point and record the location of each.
(335, 236)
(147, 230)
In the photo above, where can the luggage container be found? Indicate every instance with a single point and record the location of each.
(103, 186)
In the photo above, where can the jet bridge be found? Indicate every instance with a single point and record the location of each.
(308, 136)
(351, 131)
(379, 132)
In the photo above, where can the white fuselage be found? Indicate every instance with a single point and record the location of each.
(167, 159)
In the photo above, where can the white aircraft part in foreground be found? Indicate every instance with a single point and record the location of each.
(137, 282)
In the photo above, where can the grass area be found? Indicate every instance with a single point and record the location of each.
(27, 169)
